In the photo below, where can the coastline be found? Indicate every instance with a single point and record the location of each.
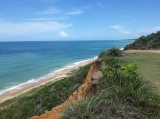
(57, 75)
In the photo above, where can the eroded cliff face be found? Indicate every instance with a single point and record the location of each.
(88, 86)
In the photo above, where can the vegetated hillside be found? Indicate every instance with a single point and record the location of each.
(93, 77)
(151, 41)
(148, 65)
(36, 101)
(120, 94)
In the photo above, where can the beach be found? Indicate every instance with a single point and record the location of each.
(56, 76)
(11, 93)
(26, 65)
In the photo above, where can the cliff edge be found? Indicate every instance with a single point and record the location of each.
(88, 86)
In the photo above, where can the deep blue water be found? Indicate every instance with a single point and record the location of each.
(25, 61)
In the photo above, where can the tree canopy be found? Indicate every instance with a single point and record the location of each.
(151, 41)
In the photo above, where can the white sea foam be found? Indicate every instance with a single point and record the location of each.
(17, 87)
(21, 85)
(121, 49)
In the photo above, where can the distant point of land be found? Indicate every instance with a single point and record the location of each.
(149, 42)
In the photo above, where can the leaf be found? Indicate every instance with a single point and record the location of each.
(103, 63)
(132, 67)
(123, 68)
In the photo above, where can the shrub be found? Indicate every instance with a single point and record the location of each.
(121, 93)
(114, 52)
(45, 98)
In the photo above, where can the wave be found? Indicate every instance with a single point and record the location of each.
(21, 85)
(121, 49)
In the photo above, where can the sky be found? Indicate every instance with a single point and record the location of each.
(50, 20)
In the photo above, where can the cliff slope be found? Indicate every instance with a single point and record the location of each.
(88, 85)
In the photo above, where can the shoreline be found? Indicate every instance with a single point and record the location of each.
(57, 75)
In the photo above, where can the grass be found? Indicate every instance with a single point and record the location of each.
(122, 93)
(148, 66)
(42, 98)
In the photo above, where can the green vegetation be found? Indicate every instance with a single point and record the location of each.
(121, 93)
(148, 66)
(36, 101)
(113, 52)
(151, 41)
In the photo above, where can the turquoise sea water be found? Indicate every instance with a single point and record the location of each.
(25, 62)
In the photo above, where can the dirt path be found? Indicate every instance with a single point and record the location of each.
(134, 51)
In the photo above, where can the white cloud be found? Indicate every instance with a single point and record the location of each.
(117, 27)
(51, 10)
(146, 30)
(76, 12)
(63, 34)
(30, 28)
(47, 19)
(120, 29)
(126, 32)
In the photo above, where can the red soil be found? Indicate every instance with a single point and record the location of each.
(82, 91)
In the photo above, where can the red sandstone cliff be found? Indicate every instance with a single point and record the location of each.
(88, 85)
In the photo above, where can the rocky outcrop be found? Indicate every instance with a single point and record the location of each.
(88, 86)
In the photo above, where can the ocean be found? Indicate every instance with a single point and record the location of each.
(27, 62)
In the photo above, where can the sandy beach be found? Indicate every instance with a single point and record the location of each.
(56, 76)
(28, 86)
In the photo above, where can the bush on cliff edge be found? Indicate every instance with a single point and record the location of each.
(120, 94)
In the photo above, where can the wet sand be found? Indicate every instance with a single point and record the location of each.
(26, 87)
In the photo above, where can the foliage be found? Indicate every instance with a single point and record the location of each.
(121, 93)
(151, 41)
(114, 52)
(148, 67)
(45, 98)
(130, 69)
